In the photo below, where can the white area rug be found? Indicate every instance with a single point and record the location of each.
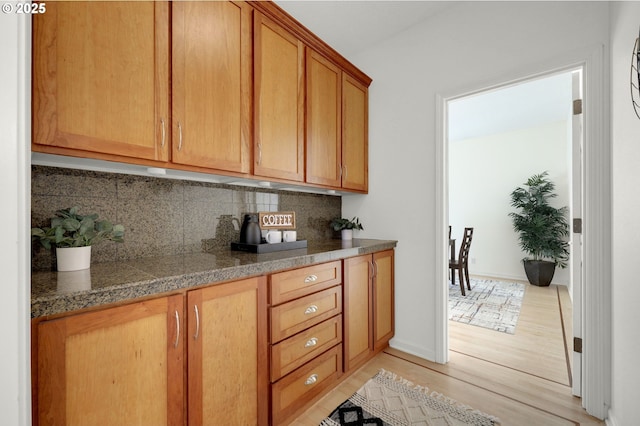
(489, 304)
(389, 400)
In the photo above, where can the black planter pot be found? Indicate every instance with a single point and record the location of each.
(539, 272)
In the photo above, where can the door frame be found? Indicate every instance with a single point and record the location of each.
(596, 294)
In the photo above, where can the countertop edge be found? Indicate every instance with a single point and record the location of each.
(149, 284)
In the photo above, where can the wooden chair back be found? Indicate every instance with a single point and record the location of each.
(465, 245)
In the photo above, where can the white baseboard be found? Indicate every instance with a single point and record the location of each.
(418, 351)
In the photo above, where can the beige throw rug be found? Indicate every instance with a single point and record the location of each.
(489, 304)
(387, 399)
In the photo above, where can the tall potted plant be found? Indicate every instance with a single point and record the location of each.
(542, 229)
(73, 234)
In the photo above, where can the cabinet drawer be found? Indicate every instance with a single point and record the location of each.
(300, 314)
(290, 285)
(291, 353)
(298, 388)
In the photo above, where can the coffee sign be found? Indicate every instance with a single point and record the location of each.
(277, 220)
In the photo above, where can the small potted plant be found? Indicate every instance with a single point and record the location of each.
(542, 229)
(346, 226)
(73, 234)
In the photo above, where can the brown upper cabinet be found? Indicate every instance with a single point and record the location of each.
(355, 134)
(324, 156)
(279, 101)
(211, 84)
(337, 126)
(101, 78)
(227, 87)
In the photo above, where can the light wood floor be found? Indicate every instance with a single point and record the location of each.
(523, 379)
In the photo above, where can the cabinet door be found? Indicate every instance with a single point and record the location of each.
(117, 366)
(383, 299)
(323, 148)
(357, 311)
(279, 101)
(101, 78)
(228, 361)
(355, 146)
(211, 90)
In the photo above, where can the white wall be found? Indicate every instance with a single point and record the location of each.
(465, 48)
(483, 172)
(15, 392)
(625, 410)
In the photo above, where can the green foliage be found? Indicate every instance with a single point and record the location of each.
(71, 229)
(338, 224)
(542, 228)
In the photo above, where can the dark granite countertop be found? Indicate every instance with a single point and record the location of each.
(112, 282)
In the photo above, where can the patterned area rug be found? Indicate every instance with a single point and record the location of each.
(390, 400)
(489, 304)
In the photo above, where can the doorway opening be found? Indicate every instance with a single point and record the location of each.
(495, 140)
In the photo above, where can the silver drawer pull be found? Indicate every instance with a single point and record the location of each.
(311, 379)
(311, 310)
(163, 133)
(195, 309)
(175, 345)
(311, 278)
(311, 342)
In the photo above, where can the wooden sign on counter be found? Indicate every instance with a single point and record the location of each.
(277, 220)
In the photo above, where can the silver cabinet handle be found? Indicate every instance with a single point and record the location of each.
(259, 154)
(311, 379)
(375, 268)
(175, 345)
(311, 310)
(345, 172)
(195, 336)
(311, 278)
(179, 136)
(163, 133)
(311, 342)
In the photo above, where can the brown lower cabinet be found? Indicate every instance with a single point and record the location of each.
(127, 365)
(368, 306)
(226, 336)
(306, 334)
(254, 351)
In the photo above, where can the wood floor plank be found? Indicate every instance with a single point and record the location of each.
(497, 380)
(539, 331)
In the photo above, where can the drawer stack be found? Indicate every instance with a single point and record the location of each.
(305, 335)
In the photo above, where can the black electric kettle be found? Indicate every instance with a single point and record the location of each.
(250, 231)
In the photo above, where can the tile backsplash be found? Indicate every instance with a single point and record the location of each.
(166, 216)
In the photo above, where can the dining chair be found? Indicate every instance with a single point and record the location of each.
(452, 249)
(462, 264)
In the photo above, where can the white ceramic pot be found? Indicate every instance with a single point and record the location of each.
(73, 258)
(347, 234)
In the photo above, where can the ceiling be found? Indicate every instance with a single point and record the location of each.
(525, 105)
(353, 26)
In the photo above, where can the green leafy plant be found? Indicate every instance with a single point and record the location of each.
(542, 228)
(338, 224)
(71, 229)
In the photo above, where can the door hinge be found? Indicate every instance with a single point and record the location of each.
(577, 225)
(577, 345)
(577, 107)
